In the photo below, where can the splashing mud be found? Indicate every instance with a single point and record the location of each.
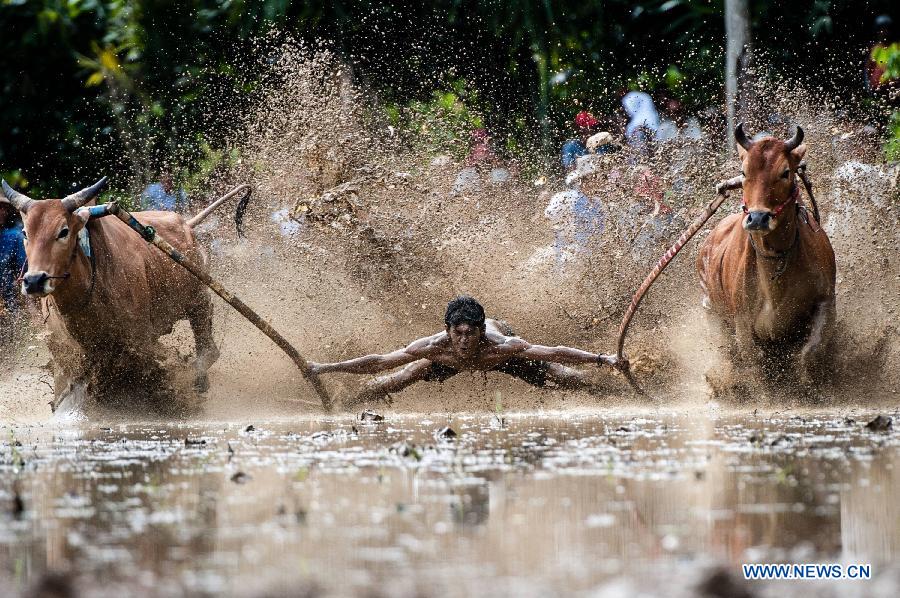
(361, 231)
(383, 231)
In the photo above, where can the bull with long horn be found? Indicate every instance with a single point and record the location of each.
(104, 286)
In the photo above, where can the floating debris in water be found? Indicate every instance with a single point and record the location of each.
(370, 416)
(721, 584)
(250, 428)
(446, 433)
(18, 508)
(321, 435)
(53, 585)
(406, 449)
(779, 440)
(192, 442)
(241, 478)
(498, 422)
(880, 424)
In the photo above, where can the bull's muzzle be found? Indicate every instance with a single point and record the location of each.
(36, 283)
(762, 220)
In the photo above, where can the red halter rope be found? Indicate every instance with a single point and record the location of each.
(779, 208)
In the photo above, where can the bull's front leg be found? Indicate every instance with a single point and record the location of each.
(730, 377)
(200, 317)
(747, 366)
(813, 350)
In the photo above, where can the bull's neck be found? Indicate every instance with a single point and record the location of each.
(772, 250)
(782, 238)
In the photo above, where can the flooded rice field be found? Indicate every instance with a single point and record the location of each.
(601, 504)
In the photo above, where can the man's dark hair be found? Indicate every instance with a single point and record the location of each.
(464, 310)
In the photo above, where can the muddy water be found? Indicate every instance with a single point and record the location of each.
(527, 505)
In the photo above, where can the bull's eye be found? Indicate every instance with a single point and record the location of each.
(785, 174)
(63, 233)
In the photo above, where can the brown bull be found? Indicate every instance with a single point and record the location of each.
(124, 297)
(769, 273)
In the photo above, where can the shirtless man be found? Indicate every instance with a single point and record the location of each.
(469, 343)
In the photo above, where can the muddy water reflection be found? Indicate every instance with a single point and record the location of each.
(537, 506)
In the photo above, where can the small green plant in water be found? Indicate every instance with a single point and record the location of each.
(783, 473)
(18, 461)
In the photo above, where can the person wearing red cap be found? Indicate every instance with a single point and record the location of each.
(586, 124)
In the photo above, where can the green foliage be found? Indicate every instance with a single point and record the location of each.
(443, 123)
(889, 57)
(892, 145)
(195, 180)
(124, 87)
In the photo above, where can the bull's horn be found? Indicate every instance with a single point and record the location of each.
(741, 137)
(792, 143)
(77, 200)
(18, 200)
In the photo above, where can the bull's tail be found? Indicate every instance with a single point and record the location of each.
(238, 214)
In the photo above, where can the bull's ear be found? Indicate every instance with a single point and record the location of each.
(741, 152)
(798, 152)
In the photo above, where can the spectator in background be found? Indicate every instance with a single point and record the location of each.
(575, 217)
(653, 214)
(481, 159)
(12, 255)
(163, 196)
(668, 126)
(643, 119)
(586, 126)
(480, 151)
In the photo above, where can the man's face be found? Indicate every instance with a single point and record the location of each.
(465, 339)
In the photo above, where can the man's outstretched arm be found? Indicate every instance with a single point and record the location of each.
(372, 364)
(567, 355)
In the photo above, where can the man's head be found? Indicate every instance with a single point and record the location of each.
(465, 325)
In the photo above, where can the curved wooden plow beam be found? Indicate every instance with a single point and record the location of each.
(721, 194)
(149, 234)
